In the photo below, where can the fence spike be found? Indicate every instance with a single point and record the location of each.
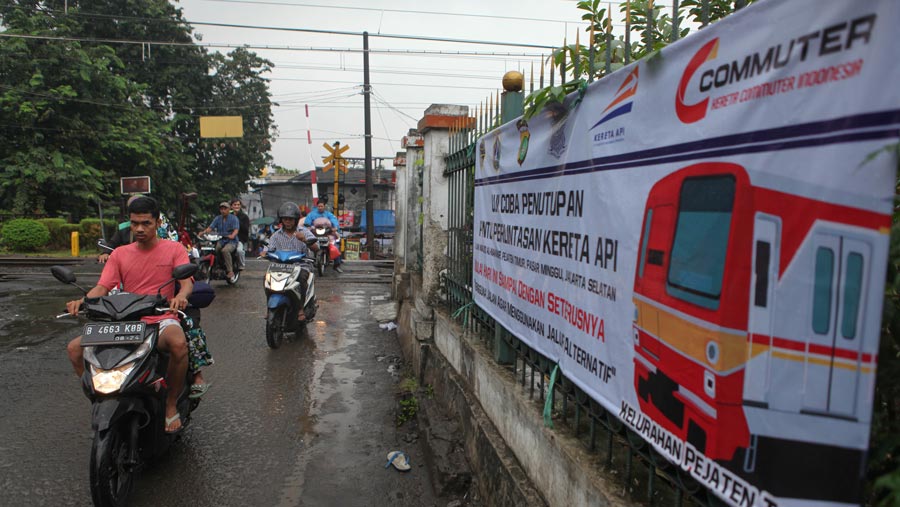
(576, 60)
(627, 32)
(562, 67)
(542, 71)
(531, 87)
(591, 54)
(552, 68)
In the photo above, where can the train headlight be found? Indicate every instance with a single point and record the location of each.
(637, 335)
(712, 352)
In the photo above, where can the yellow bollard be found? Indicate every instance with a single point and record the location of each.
(75, 246)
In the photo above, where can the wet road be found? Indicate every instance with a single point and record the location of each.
(307, 424)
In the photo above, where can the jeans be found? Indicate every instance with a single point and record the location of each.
(240, 251)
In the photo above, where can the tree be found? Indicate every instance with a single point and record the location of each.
(120, 109)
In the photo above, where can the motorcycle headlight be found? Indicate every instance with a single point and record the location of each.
(110, 381)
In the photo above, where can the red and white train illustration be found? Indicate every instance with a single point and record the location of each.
(756, 327)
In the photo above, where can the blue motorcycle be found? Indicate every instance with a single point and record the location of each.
(290, 289)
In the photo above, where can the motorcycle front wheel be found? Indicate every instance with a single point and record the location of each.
(111, 478)
(322, 261)
(275, 323)
(203, 273)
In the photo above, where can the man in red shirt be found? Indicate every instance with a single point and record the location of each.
(142, 267)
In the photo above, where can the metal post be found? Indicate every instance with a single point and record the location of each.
(370, 207)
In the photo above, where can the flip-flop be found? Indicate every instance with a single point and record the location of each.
(399, 459)
(198, 390)
(170, 420)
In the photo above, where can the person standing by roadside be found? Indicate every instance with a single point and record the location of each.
(243, 230)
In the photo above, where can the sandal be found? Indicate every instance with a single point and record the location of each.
(170, 420)
(399, 459)
(198, 390)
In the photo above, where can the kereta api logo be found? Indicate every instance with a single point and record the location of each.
(625, 92)
(689, 113)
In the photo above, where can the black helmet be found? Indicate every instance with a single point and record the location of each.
(289, 210)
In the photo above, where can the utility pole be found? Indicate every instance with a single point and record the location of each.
(370, 208)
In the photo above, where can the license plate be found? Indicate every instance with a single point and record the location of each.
(281, 268)
(113, 333)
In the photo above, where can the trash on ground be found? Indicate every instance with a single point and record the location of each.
(399, 459)
(388, 326)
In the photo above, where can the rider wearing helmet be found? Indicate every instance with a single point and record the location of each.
(290, 237)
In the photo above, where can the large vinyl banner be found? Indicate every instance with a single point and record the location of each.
(700, 241)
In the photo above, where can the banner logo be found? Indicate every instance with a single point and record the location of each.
(524, 137)
(625, 92)
(690, 113)
(495, 159)
(481, 152)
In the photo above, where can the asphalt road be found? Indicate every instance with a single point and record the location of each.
(308, 424)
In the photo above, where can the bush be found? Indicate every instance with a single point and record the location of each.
(23, 234)
(65, 231)
(90, 231)
(58, 240)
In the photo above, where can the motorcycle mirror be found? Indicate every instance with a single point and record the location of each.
(65, 275)
(184, 271)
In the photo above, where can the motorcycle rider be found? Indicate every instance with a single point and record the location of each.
(227, 226)
(243, 231)
(142, 267)
(290, 237)
(321, 216)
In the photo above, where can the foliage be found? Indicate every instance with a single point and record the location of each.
(24, 234)
(53, 225)
(649, 29)
(77, 116)
(409, 403)
(90, 231)
(65, 236)
(884, 453)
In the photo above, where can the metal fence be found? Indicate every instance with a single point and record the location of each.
(645, 474)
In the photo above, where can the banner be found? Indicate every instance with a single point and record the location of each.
(700, 241)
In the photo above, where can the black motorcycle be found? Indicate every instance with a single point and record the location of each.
(212, 267)
(124, 377)
(324, 239)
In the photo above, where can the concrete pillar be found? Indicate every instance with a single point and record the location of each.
(414, 145)
(434, 127)
(400, 200)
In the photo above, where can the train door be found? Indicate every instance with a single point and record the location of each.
(840, 267)
(764, 275)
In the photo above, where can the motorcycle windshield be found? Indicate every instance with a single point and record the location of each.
(286, 256)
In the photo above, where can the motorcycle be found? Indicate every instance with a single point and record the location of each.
(289, 286)
(324, 239)
(124, 377)
(212, 267)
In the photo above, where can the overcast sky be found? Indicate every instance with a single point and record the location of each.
(403, 84)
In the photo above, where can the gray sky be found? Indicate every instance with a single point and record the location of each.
(403, 84)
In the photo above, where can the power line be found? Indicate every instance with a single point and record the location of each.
(220, 45)
(301, 30)
(401, 11)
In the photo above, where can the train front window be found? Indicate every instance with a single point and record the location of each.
(700, 247)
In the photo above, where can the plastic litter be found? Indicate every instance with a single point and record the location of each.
(388, 326)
